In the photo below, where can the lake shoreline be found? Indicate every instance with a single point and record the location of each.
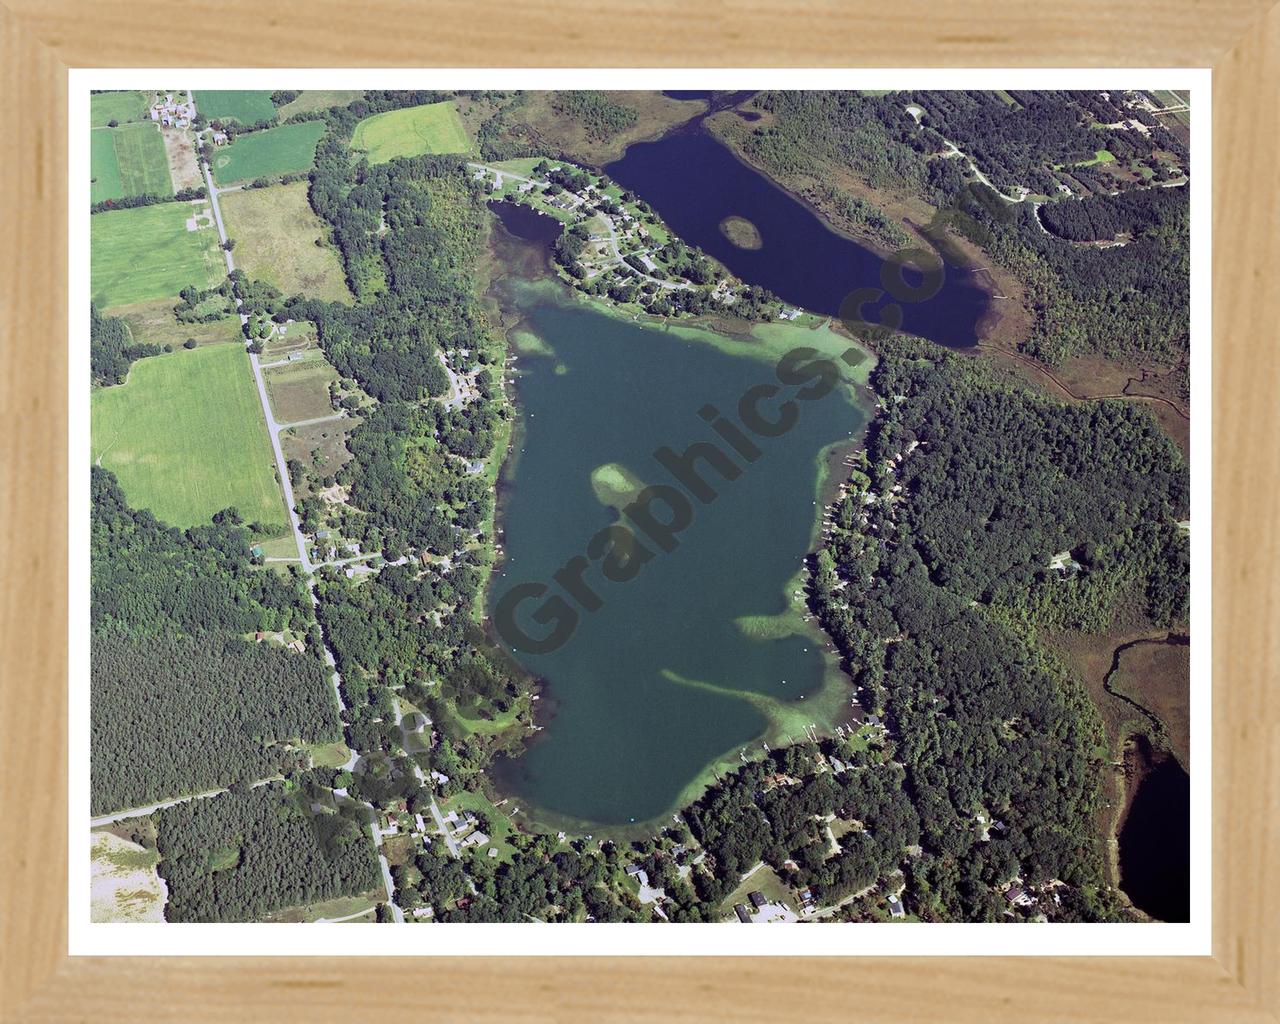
(517, 260)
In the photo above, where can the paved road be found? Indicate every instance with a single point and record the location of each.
(617, 254)
(444, 830)
(273, 429)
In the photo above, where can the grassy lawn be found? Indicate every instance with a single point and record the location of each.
(522, 165)
(763, 880)
(186, 438)
(329, 755)
(319, 99)
(141, 165)
(105, 107)
(1101, 156)
(299, 336)
(489, 726)
(263, 154)
(248, 106)
(498, 827)
(276, 234)
(153, 323)
(411, 131)
(300, 391)
(148, 253)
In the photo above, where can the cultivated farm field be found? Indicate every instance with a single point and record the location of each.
(411, 131)
(105, 107)
(283, 150)
(148, 253)
(276, 234)
(248, 106)
(128, 161)
(319, 99)
(186, 439)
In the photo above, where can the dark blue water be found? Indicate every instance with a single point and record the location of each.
(695, 182)
(1155, 841)
(626, 738)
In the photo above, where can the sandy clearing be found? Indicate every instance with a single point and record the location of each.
(122, 889)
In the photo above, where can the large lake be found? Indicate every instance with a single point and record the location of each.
(660, 682)
(695, 183)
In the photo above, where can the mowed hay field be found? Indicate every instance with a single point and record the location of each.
(411, 131)
(104, 169)
(300, 391)
(319, 99)
(128, 161)
(283, 150)
(276, 234)
(148, 253)
(186, 439)
(105, 107)
(248, 106)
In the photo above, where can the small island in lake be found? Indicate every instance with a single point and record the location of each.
(741, 232)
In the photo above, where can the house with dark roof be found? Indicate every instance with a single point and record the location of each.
(743, 914)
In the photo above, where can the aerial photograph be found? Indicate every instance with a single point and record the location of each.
(581, 506)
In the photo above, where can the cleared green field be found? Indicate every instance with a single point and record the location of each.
(300, 391)
(280, 240)
(185, 437)
(411, 131)
(105, 180)
(105, 107)
(283, 150)
(248, 106)
(319, 99)
(128, 161)
(153, 323)
(148, 253)
(1101, 156)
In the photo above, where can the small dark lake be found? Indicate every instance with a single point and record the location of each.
(527, 223)
(695, 182)
(1155, 839)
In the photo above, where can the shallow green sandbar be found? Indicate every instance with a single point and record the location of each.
(615, 485)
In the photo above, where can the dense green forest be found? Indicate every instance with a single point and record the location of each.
(936, 577)
(181, 714)
(1123, 302)
(1102, 218)
(238, 856)
(180, 701)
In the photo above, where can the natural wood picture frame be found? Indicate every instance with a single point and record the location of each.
(41, 39)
